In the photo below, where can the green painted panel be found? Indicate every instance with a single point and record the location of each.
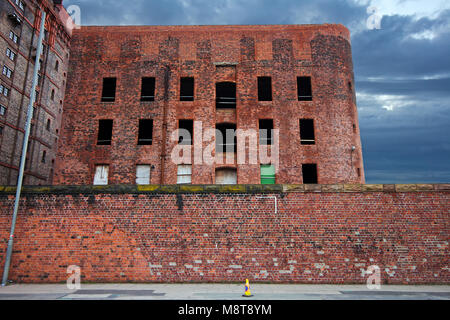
(267, 174)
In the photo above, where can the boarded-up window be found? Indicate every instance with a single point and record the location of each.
(267, 174)
(142, 174)
(184, 175)
(101, 175)
(226, 176)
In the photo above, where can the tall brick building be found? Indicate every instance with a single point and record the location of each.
(129, 88)
(19, 30)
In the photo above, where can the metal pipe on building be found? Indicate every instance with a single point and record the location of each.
(24, 151)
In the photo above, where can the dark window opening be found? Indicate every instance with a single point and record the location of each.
(265, 132)
(307, 136)
(48, 124)
(44, 156)
(52, 96)
(358, 170)
(104, 132)
(226, 140)
(15, 19)
(145, 132)
(309, 173)
(109, 89)
(57, 65)
(187, 89)
(264, 88)
(226, 95)
(354, 128)
(350, 87)
(304, 88)
(186, 133)
(148, 89)
(1, 130)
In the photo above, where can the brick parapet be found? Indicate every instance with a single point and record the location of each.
(244, 189)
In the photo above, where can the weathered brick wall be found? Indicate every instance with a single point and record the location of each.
(210, 54)
(19, 85)
(321, 234)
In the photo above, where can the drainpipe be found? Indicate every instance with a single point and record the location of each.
(24, 152)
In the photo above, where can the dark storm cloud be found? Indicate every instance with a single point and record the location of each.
(403, 82)
(402, 71)
(393, 51)
(430, 88)
(176, 12)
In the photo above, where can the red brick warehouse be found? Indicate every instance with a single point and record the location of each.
(130, 87)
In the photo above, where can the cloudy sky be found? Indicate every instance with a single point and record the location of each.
(402, 70)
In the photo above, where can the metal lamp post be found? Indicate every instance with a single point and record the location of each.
(24, 150)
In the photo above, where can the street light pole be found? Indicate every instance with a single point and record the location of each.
(24, 151)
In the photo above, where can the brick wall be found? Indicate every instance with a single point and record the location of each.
(57, 48)
(320, 234)
(210, 54)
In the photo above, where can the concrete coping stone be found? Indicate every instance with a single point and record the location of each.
(227, 189)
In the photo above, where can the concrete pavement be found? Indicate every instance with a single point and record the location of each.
(221, 292)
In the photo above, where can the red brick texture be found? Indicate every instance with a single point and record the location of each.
(210, 54)
(316, 237)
